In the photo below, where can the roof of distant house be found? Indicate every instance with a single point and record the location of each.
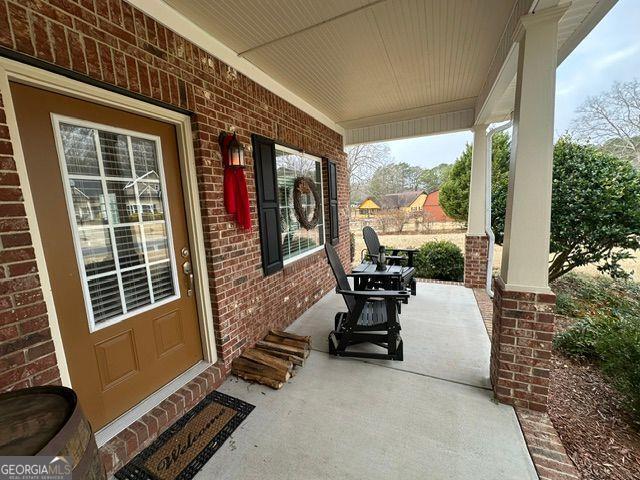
(400, 200)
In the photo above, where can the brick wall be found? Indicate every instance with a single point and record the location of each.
(476, 254)
(110, 41)
(522, 332)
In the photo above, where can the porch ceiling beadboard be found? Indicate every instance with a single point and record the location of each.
(386, 69)
(361, 58)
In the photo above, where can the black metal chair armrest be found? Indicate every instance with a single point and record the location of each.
(374, 293)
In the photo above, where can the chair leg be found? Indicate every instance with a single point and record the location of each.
(399, 350)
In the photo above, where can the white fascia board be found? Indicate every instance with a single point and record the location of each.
(181, 25)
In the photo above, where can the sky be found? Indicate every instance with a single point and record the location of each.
(610, 53)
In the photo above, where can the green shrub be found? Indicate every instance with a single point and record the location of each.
(581, 338)
(619, 352)
(566, 305)
(440, 260)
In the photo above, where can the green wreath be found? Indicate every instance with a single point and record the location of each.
(302, 185)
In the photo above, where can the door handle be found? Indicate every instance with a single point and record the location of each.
(188, 271)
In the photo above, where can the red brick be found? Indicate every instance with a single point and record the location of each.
(10, 194)
(41, 37)
(10, 240)
(40, 350)
(59, 45)
(27, 298)
(5, 29)
(76, 49)
(21, 29)
(92, 56)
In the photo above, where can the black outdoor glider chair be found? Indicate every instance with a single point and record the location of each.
(372, 317)
(399, 256)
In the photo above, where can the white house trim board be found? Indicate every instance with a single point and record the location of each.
(429, 125)
(11, 70)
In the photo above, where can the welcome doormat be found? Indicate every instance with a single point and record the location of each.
(182, 450)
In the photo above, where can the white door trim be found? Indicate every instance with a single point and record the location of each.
(11, 70)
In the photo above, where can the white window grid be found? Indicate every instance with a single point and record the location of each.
(287, 218)
(57, 120)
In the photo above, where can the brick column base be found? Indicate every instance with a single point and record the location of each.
(523, 325)
(476, 255)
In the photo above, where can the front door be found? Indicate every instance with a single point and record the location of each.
(109, 205)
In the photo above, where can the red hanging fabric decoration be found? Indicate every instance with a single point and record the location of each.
(236, 197)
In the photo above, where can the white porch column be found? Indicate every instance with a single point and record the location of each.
(476, 247)
(523, 304)
(525, 254)
(477, 189)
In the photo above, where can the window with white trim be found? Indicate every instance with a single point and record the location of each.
(298, 241)
(114, 186)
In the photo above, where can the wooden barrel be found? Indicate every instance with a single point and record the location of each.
(49, 421)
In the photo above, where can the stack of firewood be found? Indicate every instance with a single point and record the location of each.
(273, 360)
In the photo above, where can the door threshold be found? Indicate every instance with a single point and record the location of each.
(113, 428)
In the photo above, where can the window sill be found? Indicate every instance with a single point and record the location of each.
(289, 261)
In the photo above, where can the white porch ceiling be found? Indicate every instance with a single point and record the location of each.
(380, 69)
(355, 59)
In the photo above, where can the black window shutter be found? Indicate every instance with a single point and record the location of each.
(264, 158)
(334, 234)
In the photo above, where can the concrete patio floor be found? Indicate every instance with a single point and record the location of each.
(429, 417)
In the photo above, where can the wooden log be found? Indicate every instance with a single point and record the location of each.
(247, 366)
(268, 360)
(300, 352)
(286, 341)
(298, 361)
(263, 380)
(292, 336)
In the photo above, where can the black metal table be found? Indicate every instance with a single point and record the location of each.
(393, 277)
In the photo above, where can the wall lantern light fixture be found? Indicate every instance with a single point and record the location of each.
(232, 150)
(236, 197)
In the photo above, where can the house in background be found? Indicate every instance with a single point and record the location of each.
(433, 210)
(367, 208)
(411, 201)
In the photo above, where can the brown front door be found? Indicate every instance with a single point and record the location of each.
(109, 205)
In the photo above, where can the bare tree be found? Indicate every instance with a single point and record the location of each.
(392, 220)
(612, 120)
(363, 161)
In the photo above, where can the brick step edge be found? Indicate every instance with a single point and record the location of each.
(545, 447)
